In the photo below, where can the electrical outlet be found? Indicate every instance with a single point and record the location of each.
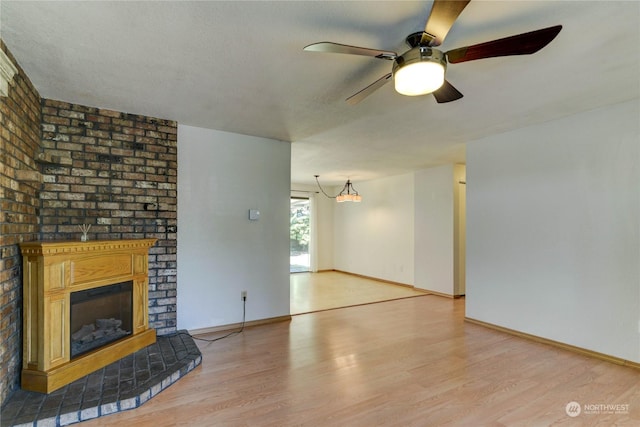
(243, 295)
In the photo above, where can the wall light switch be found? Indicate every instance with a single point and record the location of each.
(254, 214)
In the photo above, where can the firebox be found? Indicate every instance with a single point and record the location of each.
(100, 316)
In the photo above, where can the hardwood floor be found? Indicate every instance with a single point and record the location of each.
(330, 289)
(407, 362)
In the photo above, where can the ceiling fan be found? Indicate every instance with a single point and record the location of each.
(421, 69)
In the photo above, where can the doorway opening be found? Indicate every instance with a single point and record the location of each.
(299, 235)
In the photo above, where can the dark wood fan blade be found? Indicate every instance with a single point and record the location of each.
(354, 99)
(447, 93)
(331, 47)
(443, 14)
(521, 44)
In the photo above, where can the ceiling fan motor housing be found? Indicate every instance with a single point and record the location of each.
(419, 54)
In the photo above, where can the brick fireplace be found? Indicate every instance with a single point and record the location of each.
(85, 306)
(66, 164)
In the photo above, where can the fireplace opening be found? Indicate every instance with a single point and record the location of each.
(100, 316)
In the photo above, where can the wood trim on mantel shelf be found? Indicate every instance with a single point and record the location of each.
(53, 247)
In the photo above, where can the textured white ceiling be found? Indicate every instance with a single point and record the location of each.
(238, 66)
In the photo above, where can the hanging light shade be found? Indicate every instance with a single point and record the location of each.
(347, 194)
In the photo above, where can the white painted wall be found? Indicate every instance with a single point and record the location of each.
(375, 237)
(220, 252)
(435, 225)
(553, 230)
(324, 232)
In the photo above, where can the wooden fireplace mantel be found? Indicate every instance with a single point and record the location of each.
(51, 272)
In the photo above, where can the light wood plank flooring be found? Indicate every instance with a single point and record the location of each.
(407, 362)
(330, 289)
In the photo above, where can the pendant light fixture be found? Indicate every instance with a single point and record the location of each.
(347, 194)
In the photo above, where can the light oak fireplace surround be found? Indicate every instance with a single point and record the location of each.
(52, 272)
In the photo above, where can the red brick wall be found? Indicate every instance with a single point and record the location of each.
(122, 180)
(19, 143)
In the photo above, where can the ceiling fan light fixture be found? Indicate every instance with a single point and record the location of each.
(419, 71)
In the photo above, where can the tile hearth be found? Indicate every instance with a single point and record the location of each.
(122, 385)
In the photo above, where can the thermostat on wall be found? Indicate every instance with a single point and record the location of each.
(254, 214)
